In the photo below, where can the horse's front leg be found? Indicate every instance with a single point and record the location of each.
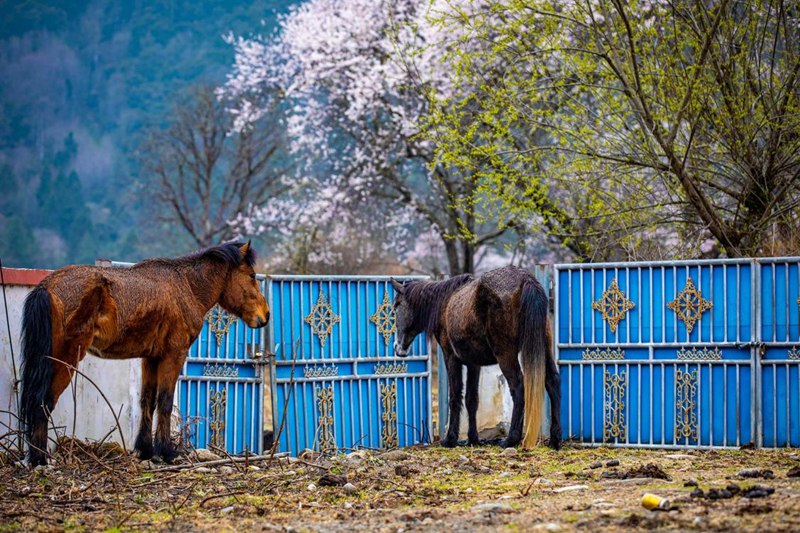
(471, 401)
(455, 382)
(144, 440)
(168, 370)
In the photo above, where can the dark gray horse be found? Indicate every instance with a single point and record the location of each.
(486, 321)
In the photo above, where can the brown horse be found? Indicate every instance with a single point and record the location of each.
(486, 321)
(153, 310)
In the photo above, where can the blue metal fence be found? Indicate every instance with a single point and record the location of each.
(679, 354)
(221, 387)
(779, 351)
(335, 382)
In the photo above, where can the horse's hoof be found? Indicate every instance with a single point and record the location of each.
(449, 443)
(509, 443)
(144, 454)
(555, 444)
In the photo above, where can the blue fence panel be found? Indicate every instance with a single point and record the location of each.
(220, 390)
(779, 336)
(335, 381)
(657, 354)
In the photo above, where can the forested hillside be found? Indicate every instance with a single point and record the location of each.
(81, 83)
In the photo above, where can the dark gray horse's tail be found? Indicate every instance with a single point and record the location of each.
(535, 350)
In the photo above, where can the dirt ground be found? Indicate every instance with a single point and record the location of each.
(482, 488)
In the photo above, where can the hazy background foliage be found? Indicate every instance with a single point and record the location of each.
(82, 84)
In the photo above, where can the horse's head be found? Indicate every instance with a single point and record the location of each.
(242, 295)
(407, 320)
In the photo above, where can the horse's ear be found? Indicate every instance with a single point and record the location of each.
(397, 285)
(245, 248)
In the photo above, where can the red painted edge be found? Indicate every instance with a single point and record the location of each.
(23, 276)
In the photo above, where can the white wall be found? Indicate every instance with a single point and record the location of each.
(119, 381)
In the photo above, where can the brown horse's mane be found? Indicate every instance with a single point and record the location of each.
(228, 253)
(428, 298)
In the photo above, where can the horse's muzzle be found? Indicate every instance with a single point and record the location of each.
(260, 323)
(399, 350)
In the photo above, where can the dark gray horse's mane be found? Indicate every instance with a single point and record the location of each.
(427, 298)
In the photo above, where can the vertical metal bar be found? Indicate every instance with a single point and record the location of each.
(580, 381)
(374, 440)
(652, 306)
(569, 399)
(725, 300)
(651, 367)
(569, 308)
(592, 402)
(674, 288)
(557, 311)
(663, 303)
(725, 404)
(788, 401)
(738, 403)
(605, 287)
(774, 304)
(775, 402)
(228, 386)
(406, 420)
(711, 298)
(756, 370)
(664, 414)
(628, 317)
(786, 281)
(581, 299)
(738, 302)
(591, 315)
(711, 403)
(639, 398)
(627, 412)
(639, 272)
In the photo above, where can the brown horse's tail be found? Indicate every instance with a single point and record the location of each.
(535, 350)
(37, 371)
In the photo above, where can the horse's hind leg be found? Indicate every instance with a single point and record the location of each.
(509, 365)
(144, 439)
(168, 370)
(471, 401)
(455, 382)
(553, 385)
(69, 348)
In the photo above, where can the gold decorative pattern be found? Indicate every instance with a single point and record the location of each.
(217, 404)
(219, 322)
(613, 305)
(389, 368)
(320, 371)
(614, 405)
(689, 305)
(685, 408)
(327, 442)
(793, 354)
(696, 354)
(384, 319)
(389, 415)
(220, 371)
(603, 354)
(322, 319)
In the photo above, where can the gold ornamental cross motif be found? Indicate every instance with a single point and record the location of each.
(322, 319)
(219, 322)
(384, 319)
(689, 305)
(613, 305)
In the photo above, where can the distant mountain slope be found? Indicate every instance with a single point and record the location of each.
(80, 81)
